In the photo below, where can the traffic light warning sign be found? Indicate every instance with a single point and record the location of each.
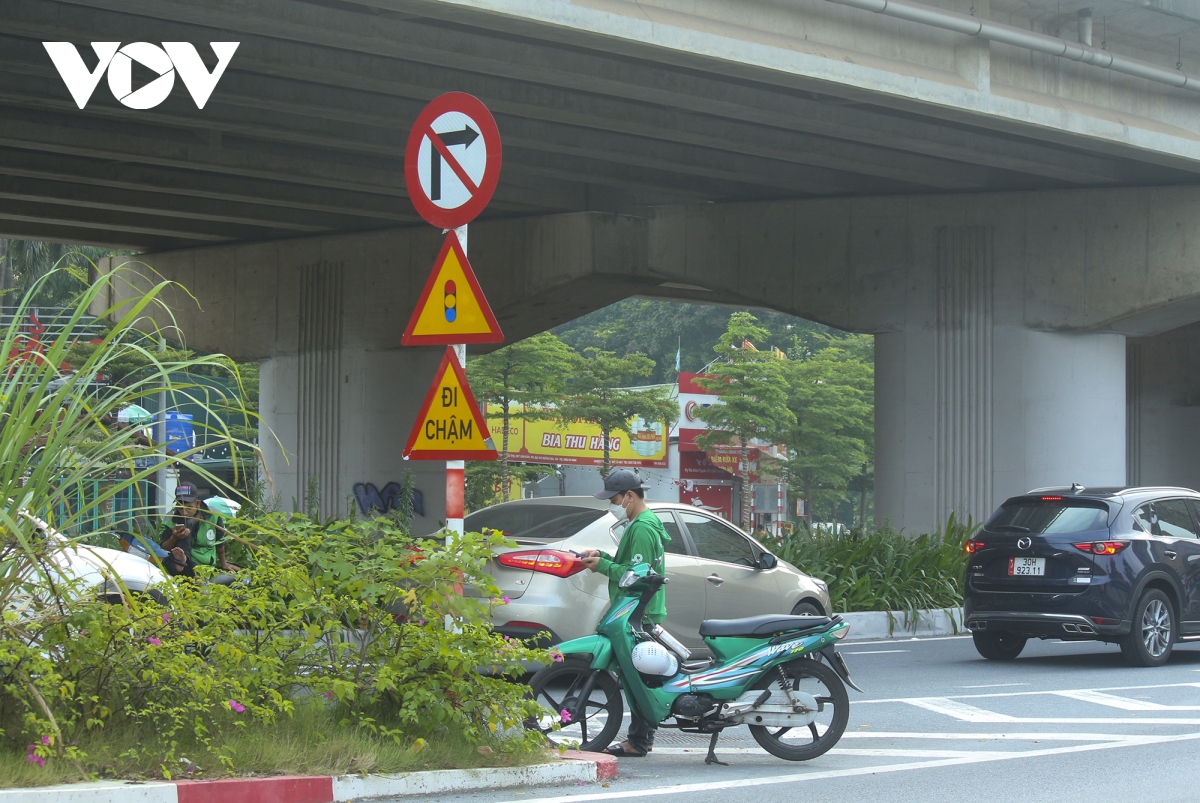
(450, 425)
(452, 307)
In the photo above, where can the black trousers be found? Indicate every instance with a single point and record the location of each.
(641, 731)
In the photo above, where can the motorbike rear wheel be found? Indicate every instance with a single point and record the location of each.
(813, 677)
(593, 723)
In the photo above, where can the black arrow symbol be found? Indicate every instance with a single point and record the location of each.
(464, 137)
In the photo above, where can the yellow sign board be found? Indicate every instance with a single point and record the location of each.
(642, 444)
(452, 308)
(449, 426)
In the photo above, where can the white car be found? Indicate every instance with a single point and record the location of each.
(84, 567)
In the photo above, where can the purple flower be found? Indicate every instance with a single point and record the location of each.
(328, 695)
(558, 656)
(236, 706)
(566, 716)
(505, 600)
(154, 641)
(166, 618)
(45, 740)
(41, 762)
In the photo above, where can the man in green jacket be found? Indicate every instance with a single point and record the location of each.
(642, 542)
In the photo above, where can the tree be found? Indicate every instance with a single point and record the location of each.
(661, 329)
(26, 263)
(751, 396)
(831, 394)
(529, 372)
(596, 393)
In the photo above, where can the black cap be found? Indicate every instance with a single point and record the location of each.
(619, 481)
(186, 492)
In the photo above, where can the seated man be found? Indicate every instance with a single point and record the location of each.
(193, 536)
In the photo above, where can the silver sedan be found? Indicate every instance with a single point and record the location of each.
(716, 570)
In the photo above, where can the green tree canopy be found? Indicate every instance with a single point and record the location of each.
(831, 394)
(596, 393)
(751, 395)
(26, 263)
(531, 373)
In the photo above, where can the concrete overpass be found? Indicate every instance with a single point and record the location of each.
(1017, 227)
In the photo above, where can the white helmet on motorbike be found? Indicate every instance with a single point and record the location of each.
(652, 658)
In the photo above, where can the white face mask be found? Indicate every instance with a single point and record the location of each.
(619, 511)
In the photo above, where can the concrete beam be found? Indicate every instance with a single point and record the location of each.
(299, 36)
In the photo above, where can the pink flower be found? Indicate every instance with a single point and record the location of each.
(505, 600)
(41, 762)
(166, 618)
(566, 716)
(558, 656)
(236, 706)
(45, 740)
(154, 641)
(328, 695)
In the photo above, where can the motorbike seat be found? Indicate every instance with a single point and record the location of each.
(762, 626)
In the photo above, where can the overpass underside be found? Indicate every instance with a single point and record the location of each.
(1016, 228)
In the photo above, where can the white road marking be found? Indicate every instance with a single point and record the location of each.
(871, 752)
(1022, 737)
(960, 711)
(1123, 703)
(800, 777)
(874, 652)
(1029, 693)
(994, 686)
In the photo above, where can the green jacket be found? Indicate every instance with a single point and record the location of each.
(642, 542)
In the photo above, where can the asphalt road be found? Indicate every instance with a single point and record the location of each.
(1064, 722)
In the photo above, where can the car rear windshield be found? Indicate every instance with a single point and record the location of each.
(1049, 515)
(539, 522)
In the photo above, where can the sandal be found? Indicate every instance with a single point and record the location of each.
(621, 751)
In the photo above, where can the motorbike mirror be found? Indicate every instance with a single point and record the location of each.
(767, 561)
(635, 573)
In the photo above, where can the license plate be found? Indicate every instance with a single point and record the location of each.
(1026, 567)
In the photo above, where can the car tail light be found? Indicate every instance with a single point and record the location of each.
(547, 561)
(1051, 498)
(1104, 621)
(974, 546)
(1102, 547)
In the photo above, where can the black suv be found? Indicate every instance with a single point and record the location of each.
(1120, 565)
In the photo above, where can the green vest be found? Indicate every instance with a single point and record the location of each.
(204, 543)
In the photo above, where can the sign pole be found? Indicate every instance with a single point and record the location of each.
(456, 469)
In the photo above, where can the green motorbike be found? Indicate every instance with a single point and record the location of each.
(779, 675)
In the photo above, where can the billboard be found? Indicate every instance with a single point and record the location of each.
(642, 445)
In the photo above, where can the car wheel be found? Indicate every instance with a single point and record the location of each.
(998, 646)
(1153, 633)
(806, 609)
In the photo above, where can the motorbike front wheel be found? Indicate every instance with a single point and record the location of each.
(594, 722)
(810, 676)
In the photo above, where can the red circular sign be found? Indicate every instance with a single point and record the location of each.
(449, 188)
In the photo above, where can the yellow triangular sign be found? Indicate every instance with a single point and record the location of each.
(452, 308)
(449, 426)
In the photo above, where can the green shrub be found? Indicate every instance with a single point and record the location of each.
(350, 615)
(885, 570)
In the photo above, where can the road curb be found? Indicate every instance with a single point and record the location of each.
(882, 625)
(573, 768)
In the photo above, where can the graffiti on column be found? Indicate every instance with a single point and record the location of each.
(391, 497)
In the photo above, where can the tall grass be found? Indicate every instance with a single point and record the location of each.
(885, 570)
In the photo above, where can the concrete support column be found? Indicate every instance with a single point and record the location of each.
(965, 419)
(340, 416)
(1164, 408)
(972, 406)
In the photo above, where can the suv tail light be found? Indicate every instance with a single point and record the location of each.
(974, 546)
(547, 561)
(1102, 547)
